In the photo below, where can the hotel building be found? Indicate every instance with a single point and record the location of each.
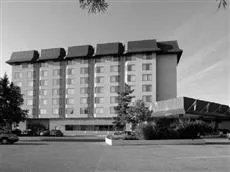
(76, 90)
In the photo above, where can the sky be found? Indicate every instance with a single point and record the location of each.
(202, 31)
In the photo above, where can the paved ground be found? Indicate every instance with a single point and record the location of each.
(74, 156)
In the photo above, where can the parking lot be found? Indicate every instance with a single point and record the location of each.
(74, 156)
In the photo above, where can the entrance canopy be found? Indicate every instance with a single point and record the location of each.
(189, 107)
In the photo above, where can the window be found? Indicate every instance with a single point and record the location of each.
(99, 69)
(44, 73)
(114, 99)
(99, 100)
(69, 111)
(147, 77)
(131, 67)
(84, 90)
(69, 101)
(115, 78)
(29, 74)
(30, 83)
(43, 102)
(131, 78)
(43, 82)
(113, 110)
(99, 110)
(146, 88)
(84, 110)
(84, 80)
(115, 68)
(99, 60)
(84, 70)
(29, 102)
(130, 58)
(55, 101)
(43, 111)
(56, 81)
(71, 62)
(56, 91)
(43, 92)
(99, 79)
(69, 71)
(17, 75)
(24, 65)
(114, 59)
(55, 111)
(114, 89)
(56, 72)
(84, 100)
(147, 66)
(84, 61)
(70, 81)
(29, 92)
(70, 91)
(44, 65)
(147, 57)
(147, 98)
(98, 89)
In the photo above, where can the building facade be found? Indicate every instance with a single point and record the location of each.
(76, 90)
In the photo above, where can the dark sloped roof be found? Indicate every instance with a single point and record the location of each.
(170, 47)
(23, 56)
(79, 51)
(142, 46)
(115, 48)
(52, 54)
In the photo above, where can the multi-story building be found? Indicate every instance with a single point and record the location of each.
(77, 91)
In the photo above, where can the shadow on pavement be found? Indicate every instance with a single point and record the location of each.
(29, 143)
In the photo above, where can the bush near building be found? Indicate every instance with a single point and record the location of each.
(176, 129)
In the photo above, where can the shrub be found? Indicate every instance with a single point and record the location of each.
(167, 133)
(146, 131)
(192, 129)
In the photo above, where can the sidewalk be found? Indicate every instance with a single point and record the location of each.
(65, 138)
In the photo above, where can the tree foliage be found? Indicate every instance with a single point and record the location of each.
(94, 6)
(139, 113)
(10, 103)
(97, 6)
(122, 109)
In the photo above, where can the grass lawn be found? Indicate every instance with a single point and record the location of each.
(38, 156)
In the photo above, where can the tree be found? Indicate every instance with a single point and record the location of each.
(10, 103)
(97, 6)
(139, 113)
(94, 6)
(122, 109)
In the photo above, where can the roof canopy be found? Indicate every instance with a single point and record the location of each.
(107, 49)
(80, 51)
(23, 56)
(190, 106)
(52, 54)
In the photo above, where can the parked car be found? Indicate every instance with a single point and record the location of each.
(44, 133)
(8, 137)
(28, 132)
(17, 132)
(56, 133)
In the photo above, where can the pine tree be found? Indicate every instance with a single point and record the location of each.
(11, 101)
(122, 109)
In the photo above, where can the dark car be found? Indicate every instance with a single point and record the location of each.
(56, 133)
(8, 137)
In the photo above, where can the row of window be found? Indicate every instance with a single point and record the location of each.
(83, 110)
(85, 80)
(85, 90)
(83, 70)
